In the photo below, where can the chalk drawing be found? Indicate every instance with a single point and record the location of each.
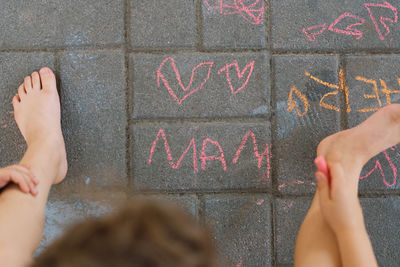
(240, 74)
(252, 12)
(382, 20)
(311, 36)
(265, 154)
(378, 166)
(161, 133)
(349, 30)
(205, 158)
(341, 87)
(292, 103)
(188, 89)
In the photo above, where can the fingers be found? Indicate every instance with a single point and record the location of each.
(24, 178)
(322, 166)
(323, 187)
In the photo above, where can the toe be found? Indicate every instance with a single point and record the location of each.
(48, 80)
(35, 81)
(21, 91)
(28, 84)
(15, 100)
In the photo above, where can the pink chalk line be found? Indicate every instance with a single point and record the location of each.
(382, 19)
(249, 12)
(188, 88)
(240, 74)
(259, 156)
(168, 151)
(204, 158)
(312, 35)
(349, 29)
(378, 166)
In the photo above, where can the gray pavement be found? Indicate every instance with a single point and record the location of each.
(216, 105)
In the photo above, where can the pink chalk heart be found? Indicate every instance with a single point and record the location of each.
(189, 89)
(240, 75)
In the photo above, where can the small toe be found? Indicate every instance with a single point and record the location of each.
(16, 100)
(35, 81)
(48, 79)
(28, 84)
(21, 91)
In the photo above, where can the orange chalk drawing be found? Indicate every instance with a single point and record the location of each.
(375, 95)
(388, 92)
(292, 103)
(343, 88)
(321, 102)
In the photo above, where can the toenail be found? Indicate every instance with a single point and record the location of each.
(44, 70)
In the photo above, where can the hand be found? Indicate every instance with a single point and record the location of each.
(338, 200)
(21, 176)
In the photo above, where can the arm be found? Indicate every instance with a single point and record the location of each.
(342, 211)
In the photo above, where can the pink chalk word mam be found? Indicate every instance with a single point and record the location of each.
(198, 79)
(240, 75)
(349, 24)
(251, 10)
(263, 157)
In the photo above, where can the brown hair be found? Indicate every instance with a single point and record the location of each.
(144, 233)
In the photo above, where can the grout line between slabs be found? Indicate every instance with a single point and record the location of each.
(128, 92)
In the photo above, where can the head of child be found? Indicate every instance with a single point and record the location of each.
(144, 233)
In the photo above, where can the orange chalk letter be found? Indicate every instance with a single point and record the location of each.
(375, 95)
(292, 103)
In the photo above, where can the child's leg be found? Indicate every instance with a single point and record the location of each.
(316, 244)
(37, 112)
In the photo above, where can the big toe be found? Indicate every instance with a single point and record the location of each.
(48, 80)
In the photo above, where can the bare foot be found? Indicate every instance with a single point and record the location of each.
(354, 147)
(38, 116)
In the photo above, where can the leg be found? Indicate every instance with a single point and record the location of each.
(316, 243)
(37, 113)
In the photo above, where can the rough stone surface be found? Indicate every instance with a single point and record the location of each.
(302, 121)
(53, 23)
(64, 212)
(170, 23)
(13, 68)
(106, 55)
(242, 228)
(233, 24)
(189, 202)
(200, 171)
(382, 219)
(361, 75)
(243, 90)
(94, 119)
(289, 214)
(290, 17)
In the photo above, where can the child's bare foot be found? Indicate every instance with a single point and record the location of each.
(354, 147)
(38, 116)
